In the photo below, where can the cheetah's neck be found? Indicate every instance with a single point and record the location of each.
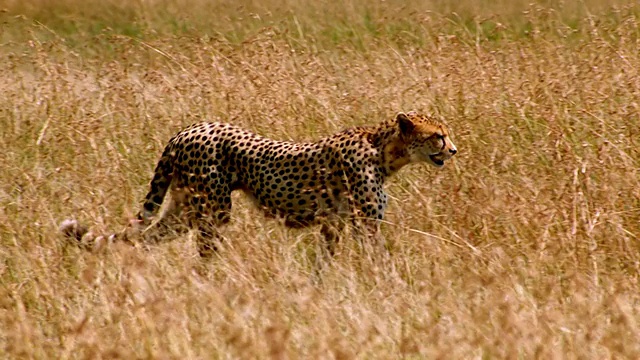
(393, 150)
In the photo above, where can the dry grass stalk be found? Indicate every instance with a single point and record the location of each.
(526, 245)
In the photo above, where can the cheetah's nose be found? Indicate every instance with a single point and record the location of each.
(453, 151)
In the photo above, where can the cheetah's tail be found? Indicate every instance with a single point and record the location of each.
(72, 229)
(82, 237)
(159, 184)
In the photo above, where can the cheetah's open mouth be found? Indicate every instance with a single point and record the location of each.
(436, 161)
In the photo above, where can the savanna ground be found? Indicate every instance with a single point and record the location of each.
(526, 245)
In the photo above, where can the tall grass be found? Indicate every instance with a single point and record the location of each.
(526, 245)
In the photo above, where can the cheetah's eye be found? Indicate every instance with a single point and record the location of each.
(441, 137)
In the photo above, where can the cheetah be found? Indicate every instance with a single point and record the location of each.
(337, 178)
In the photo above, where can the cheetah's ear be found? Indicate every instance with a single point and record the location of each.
(405, 124)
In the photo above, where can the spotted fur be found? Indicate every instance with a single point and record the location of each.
(337, 178)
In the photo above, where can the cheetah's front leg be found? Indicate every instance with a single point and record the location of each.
(332, 229)
(368, 202)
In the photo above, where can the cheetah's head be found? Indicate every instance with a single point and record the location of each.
(425, 138)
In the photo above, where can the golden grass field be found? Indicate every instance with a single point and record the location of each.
(525, 245)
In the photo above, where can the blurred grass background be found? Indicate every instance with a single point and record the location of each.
(525, 245)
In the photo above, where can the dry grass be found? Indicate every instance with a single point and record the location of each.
(525, 246)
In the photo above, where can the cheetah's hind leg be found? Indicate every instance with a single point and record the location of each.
(206, 212)
(170, 223)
